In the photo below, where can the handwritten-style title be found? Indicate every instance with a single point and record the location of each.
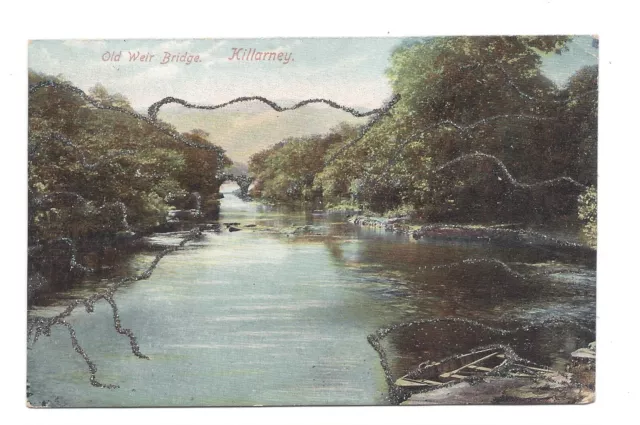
(238, 54)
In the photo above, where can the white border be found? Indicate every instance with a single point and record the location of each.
(617, 281)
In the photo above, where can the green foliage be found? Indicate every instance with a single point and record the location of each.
(588, 213)
(287, 171)
(343, 206)
(105, 157)
(401, 211)
(459, 95)
(199, 173)
(579, 130)
(100, 93)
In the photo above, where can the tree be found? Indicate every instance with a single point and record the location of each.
(477, 121)
(588, 213)
(100, 93)
(288, 170)
(201, 166)
(580, 126)
(461, 95)
(94, 173)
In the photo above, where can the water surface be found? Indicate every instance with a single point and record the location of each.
(278, 318)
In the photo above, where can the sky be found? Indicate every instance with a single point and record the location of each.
(350, 71)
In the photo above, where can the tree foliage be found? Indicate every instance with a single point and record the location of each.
(287, 170)
(86, 164)
(588, 213)
(459, 95)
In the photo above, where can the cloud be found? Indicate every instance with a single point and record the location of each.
(95, 45)
(347, 73)
(42, 58)
(160, 72)
(175, 45)
(353, 61)
(217, 61)
(214, 53)
(217, 45)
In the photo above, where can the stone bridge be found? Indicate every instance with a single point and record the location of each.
(243, 180)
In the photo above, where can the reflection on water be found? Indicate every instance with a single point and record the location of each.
(268, 318)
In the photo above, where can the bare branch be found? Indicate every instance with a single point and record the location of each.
(42, 325)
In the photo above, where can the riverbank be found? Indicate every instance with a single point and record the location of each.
(506, 234)
(269, 299)
(404, 224)
(56, 266)
(575, 386)
(497, 390)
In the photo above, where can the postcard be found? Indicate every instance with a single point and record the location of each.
(312, 221)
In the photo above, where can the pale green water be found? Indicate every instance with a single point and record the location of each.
(252, 318)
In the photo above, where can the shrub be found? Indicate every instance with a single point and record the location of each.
(588, 213)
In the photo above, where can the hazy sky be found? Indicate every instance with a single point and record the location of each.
(347, 70)
(350, 71)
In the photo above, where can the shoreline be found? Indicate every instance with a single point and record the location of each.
(574, 386)
(488, 390)
(513, 234)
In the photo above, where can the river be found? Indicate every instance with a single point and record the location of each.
(276, 318)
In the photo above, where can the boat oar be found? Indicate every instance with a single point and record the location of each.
(454, 372)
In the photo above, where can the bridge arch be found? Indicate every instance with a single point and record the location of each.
(243, 180)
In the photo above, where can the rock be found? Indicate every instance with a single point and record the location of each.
(395, 224)
(484, 392)
(183, 214)
(584, 354)
(584, 373)
(307, 229)
(393, 220)
(504, 236)
(506, 390)
(125, 235)
(211, 226)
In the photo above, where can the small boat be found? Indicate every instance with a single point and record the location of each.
(476, 363)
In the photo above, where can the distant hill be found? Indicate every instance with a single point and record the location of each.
(238, 168)
(244, 130)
